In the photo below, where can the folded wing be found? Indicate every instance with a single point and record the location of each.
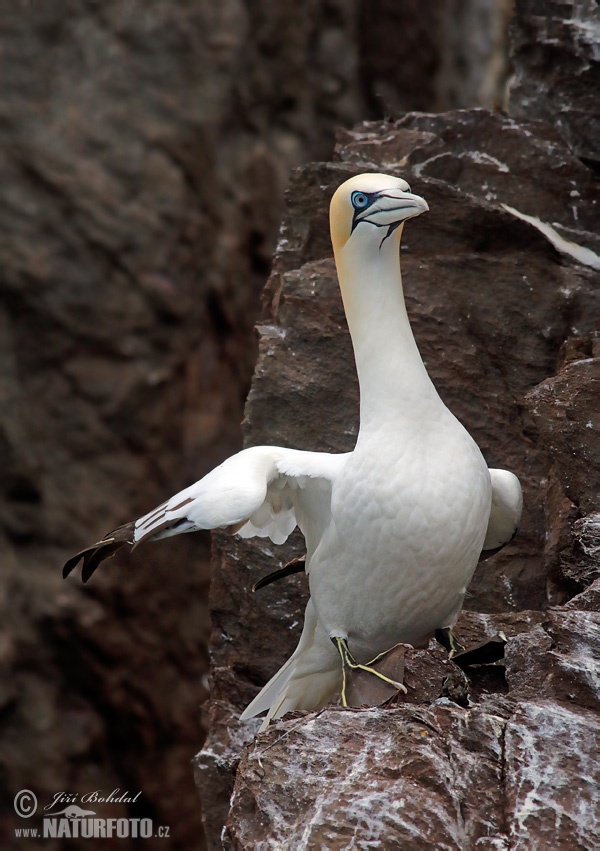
(505, 515)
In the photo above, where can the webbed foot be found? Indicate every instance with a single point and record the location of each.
(348, 661)
(449, 641)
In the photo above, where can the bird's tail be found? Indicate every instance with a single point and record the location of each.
(309, 678)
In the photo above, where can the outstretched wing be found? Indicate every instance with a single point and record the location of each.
(264, 491)
(505, 514)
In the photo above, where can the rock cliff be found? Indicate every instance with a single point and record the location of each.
(144, 150)
(505, 317)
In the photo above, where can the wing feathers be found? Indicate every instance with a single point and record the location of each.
(94, 555)
(505, 514)
(260, 491)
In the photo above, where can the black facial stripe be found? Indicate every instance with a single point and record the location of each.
(391, 230)
(381, 224)
(358, 210)
(374, 196)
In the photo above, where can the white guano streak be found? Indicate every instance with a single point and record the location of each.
(583, 255)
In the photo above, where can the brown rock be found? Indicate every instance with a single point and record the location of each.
(588, 600)
(385, 777)
(215, 771)
(557, 73)
(564, 410)
(453, 53)
(442, 777)
(557, 659)
(551, 777)
(143, 146)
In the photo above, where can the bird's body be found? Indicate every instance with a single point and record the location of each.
(394, 529)
(397, 528)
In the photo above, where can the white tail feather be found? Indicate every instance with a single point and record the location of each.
(309, 678)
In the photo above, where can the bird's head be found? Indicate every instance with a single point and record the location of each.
(367, 212)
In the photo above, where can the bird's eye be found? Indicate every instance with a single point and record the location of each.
(359, 200)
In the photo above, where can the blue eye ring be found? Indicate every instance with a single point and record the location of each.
(360, 200)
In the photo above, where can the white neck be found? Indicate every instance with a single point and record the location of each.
(394, 384)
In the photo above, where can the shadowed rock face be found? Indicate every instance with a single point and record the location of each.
(144, 147)
(564, 410)
(557, 70)
(492, 303)
(448, 53)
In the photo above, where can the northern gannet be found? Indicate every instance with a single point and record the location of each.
(395, 528)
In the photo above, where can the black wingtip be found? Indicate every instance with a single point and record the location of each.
(92, 560)
(70, 565)
(94, 556)
(297, 565)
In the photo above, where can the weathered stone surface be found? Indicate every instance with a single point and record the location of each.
(564, 410)
(505, 773)
(588, 600)
(551, 789)
(383, 777)
(441, 777)
(518, 772)
(557, 69)
(557, 659)
(215, 772)
(143, 145)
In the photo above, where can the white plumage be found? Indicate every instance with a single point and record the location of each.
(394, 529)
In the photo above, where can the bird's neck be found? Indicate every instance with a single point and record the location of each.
(394, 384)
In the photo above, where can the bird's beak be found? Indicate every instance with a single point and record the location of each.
(391, 207)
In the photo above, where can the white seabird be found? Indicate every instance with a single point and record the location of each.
(395, 528)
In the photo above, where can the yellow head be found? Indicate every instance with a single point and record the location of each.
(370, 208)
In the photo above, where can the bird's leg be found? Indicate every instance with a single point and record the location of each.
(348, 661)
(447, 639)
